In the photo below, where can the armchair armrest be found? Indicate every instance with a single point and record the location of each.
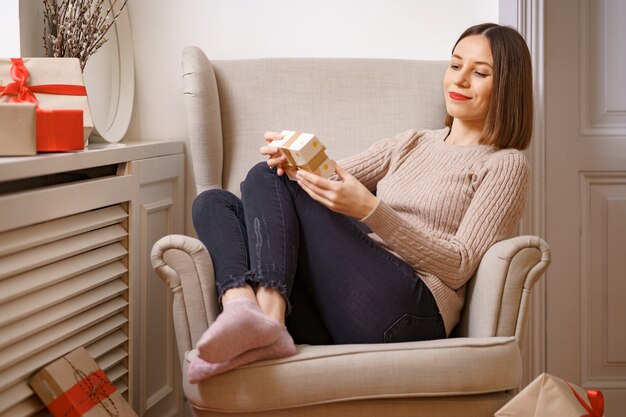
(185, 266)
(498, 295)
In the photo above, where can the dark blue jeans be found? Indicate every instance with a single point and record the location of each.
(340, 285)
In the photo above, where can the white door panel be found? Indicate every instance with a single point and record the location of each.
(585, 130)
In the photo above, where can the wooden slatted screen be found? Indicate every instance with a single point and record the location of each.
(63, 284)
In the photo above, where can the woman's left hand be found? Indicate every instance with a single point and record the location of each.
(348, 196)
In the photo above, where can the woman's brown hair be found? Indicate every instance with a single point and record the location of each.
(509, 120)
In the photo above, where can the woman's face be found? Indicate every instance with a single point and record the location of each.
(468, 82)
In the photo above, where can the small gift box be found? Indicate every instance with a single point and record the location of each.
(548, 395)
(51, 84)
(59, 130)
(305, 151)
(75, 386)
(17, 129)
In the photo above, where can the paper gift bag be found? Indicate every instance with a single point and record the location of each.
(548, 396)
(74, 386)
(51, 83)
(17, 129)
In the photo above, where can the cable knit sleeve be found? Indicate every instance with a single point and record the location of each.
(372, 164)
(493, 212)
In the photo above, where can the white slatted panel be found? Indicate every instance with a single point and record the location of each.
(19, 239)
(63, 284)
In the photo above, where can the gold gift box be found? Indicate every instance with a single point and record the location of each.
(304, 151)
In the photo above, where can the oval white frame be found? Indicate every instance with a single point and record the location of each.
(115, 130)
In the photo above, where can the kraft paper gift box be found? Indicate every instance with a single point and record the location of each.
(549, 396)
(75, 386)
(305, 151)
(52, 84)
(17, 129)
(320, 165)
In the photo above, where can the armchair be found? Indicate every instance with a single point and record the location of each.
(348, 103)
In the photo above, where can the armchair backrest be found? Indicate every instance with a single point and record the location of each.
(348, 104)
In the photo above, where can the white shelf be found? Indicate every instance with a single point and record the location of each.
(98, 154)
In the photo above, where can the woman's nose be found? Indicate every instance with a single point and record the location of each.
(461, 78)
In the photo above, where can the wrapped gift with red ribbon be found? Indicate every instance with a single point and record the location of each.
(57, 88)
(74, 386)
(548, 395)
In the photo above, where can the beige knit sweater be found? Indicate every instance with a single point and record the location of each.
(441, 206)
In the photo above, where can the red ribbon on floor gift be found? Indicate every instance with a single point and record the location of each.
(596, 399)
(89, 391)
(19, 92)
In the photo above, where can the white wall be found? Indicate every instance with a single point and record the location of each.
(9, 29)
(231, 29)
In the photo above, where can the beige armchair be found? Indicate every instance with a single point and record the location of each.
(348, 103)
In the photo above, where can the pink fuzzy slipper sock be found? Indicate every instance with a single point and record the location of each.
(199, 369)
(242, 326)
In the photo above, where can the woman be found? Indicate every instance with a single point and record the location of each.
(381, 253)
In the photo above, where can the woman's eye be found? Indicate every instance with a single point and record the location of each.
(480, 74)
(454, 66)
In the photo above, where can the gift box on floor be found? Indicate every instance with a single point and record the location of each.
(548, 395)
(17, 129)
(54, 84)
(75, 386)
(305, 151)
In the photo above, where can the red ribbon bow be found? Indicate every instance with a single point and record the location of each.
(596, 400)
(19, 92)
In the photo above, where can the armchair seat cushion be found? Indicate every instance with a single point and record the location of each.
(326, 374)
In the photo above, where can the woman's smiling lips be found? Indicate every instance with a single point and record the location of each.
(457, 96)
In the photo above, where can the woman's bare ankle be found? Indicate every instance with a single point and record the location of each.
(272, 303)
(245, 291)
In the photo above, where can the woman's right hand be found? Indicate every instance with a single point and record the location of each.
(275, 158)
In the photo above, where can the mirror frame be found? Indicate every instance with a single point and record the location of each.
(123, 109)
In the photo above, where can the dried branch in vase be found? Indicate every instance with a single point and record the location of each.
(77, 28)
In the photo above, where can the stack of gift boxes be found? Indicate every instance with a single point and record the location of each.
(304, 151)
(43, 106)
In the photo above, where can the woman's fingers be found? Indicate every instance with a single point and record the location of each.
(318, 188)
(270, 136)
(275, 157)
(315, 194)
(272, 162)
(340, 171)
(290, 171)
(268, 150)
(348, 197)
(315, 180)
